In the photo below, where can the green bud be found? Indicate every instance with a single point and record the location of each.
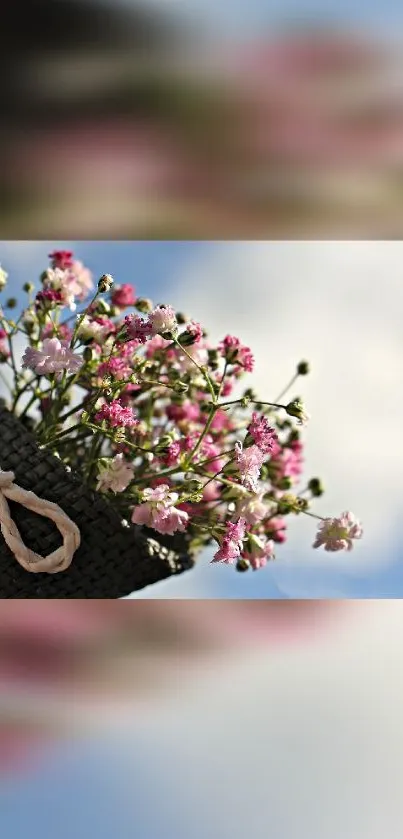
(180, 387)
(196, 497)
(181, 318)
(242, 565)
(144, 305)
(103, 307)
(28, 287)
(194, 485)
(88, 355)
(285, 483)
(85, 416)
(187, 339)
(316, 487)
(11, 303)
(296, 409)
(245, 401)
(303, 368)
(105, 283)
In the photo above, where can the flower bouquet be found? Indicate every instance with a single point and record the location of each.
(125, 432)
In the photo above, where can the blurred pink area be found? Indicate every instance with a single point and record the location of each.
(107, 654)
(286, 132)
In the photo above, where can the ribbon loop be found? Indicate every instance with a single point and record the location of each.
(59, 559)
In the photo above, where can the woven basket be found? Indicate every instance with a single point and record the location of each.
(112, 561)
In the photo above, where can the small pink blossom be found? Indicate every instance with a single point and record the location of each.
(337, 534)
(96, 329)
(158, 343)
(252, 508)
(80, 279)
(61, 259)
(195, 330)
(232, 542)
(137, 328)
(276, 528)
(172, 453)
(259, 551)
(116, 414)
(236, 353)
(54, 357)
(115, 475)
(162, 319)
(59, 282)
(158, 511)
(123, 296)
(115, 367)
(249, 462)
(288, 462)
(263, 434)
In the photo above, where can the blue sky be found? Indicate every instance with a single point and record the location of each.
(235, 17)
(175, 271)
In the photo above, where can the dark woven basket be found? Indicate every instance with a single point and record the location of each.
(112, 560)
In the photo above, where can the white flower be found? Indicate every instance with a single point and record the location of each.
(3, 278)
(115, 475)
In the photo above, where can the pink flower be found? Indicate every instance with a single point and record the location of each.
(62, 331)
(252, 508)
(115, 475)
(61, 259)
(336, 534)
(58, 281)
(195, 330)
(288, 462)
(232, 542)
(96, 329)
(236, 353)
(172, 454)
(115, 414)
(263, 434)
(80, 279)
(54, 357)
(115, 367)
(187, 411)
(157, 343)
(276, 529)
(137, 328)
(123, 296)
(158, 511)
(259, 551)
(249, 462)
(162, 319)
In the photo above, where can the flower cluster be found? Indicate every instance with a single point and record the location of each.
(134, 397)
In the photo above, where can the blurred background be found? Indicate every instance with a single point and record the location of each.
(337, 305)
(170, 119)
(280, 719)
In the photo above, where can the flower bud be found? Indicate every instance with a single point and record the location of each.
(303, 368)
(144, 305)
(88, 354)
(3, 278)
(296, 409)
(181, 318)
(28, 287)
(180, 387)
(11, 303)
(316, 487)
(242, 565)
(285, 482)
(105, 283)
(103, 307)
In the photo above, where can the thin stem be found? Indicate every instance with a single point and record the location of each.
(290, 384)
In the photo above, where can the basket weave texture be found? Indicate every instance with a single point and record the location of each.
(112, 561)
